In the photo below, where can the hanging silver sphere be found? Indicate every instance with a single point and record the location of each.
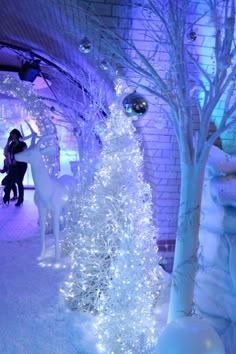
(104, 65)
(192, 36)
(135, 104)
(77, 131)
(85, 45)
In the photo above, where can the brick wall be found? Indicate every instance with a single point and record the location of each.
(162, 171)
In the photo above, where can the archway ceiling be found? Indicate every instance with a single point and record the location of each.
(52, 30)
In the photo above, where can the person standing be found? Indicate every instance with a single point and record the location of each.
(17, 169)
(5, 169)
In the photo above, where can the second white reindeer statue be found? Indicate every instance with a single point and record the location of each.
(51, 193)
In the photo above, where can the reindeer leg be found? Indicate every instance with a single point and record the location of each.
(56, 232)
(42, 222)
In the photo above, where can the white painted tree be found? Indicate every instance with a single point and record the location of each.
(83, 116)
(192, 92)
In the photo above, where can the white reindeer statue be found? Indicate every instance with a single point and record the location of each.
(51, 193)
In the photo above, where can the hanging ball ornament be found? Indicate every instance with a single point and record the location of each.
(135, 105)
(104, 65)
(189, 335)
(85, 45)
(77, 132)
(192, 36)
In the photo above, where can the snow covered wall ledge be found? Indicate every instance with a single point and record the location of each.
(215, 290)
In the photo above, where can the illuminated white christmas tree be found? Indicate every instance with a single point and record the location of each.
(115, 271)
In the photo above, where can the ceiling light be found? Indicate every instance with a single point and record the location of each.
(29, 71)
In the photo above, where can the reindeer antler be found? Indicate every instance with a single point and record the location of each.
(33, 134)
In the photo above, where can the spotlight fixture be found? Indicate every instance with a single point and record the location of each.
(29, 71)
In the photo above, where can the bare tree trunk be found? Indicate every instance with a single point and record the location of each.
(185, 261)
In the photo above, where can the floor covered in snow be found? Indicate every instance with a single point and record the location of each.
(33, 318)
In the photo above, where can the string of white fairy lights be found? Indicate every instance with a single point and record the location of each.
(20, 90)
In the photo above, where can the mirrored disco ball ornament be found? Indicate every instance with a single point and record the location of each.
(192, 36)
(77, 132)
(135, 105)
(85, 45)
(104, 65)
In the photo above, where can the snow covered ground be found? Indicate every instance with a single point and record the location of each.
(33, 319)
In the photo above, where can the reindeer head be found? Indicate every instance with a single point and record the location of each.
(33, 154)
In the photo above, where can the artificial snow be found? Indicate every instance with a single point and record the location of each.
(33, 318)
(215, 289)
